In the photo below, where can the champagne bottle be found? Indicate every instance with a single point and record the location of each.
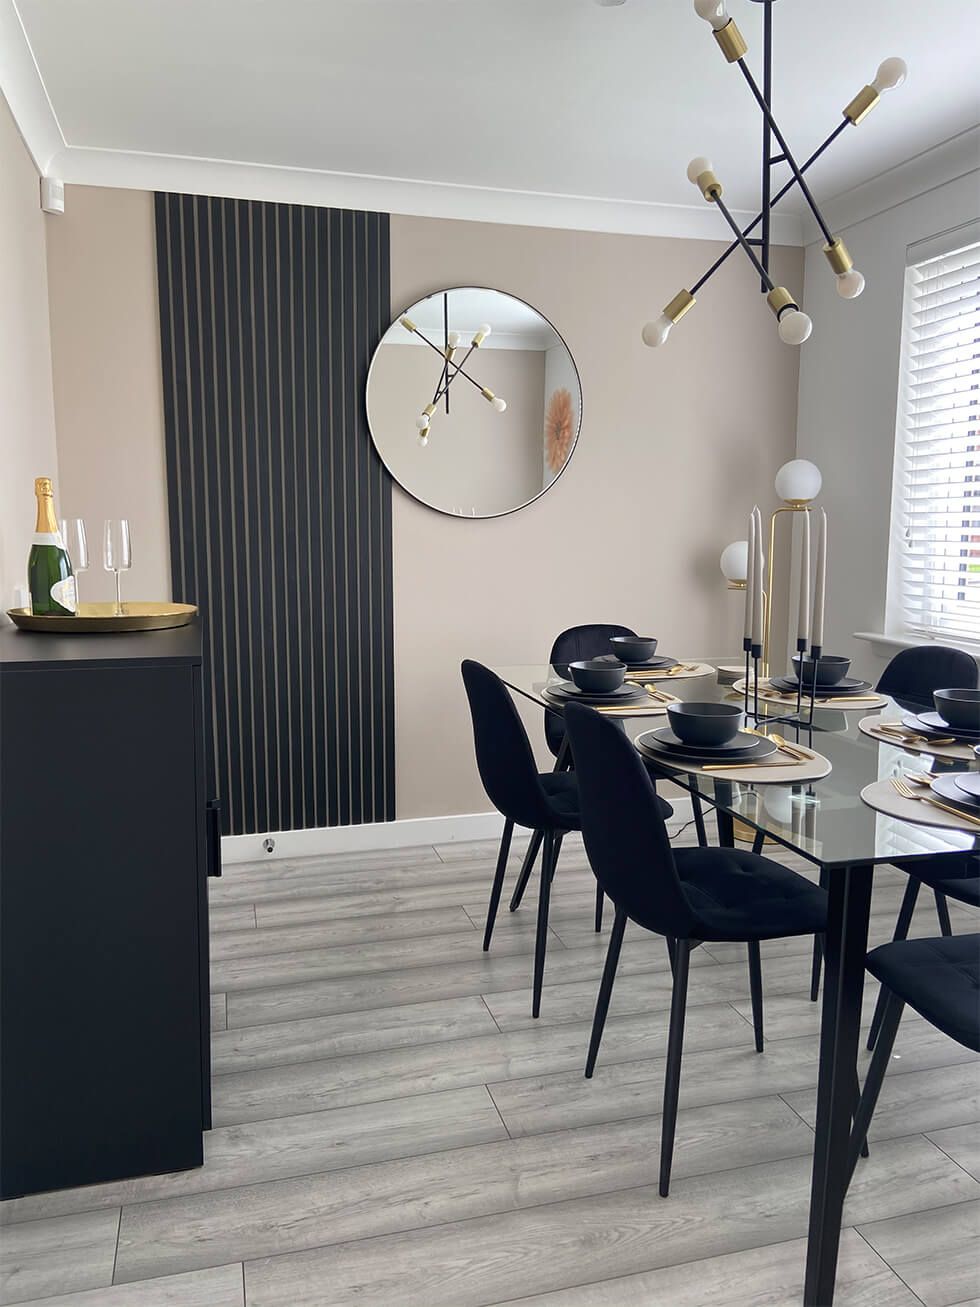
(49, 574)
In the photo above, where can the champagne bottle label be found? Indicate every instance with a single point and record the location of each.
(63, 592)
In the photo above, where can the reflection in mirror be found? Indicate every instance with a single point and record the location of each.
(474, 402)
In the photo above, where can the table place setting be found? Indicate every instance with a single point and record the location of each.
(601, 684)
(951, 731)
(929, 800)
(712, 739)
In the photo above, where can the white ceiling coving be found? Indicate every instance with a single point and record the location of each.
(562, 112)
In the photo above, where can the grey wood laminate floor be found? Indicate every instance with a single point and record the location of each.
(392, 1129)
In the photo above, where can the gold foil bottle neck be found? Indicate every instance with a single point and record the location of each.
(43, 486)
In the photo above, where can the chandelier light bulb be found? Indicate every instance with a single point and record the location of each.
(424, 437)
(794, 327)
(696, 167)
(422, 421)
(713, 12)
(891, 73)
(498, 404)
(455, 340)
(798, 481)
(656, 333)
(850, 284)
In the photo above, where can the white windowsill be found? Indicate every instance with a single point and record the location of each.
(885, 645)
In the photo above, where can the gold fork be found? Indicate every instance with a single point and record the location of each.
(908, 736)
(907, 792)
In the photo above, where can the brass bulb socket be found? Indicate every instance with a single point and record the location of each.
(487, 393)
(429, 410)
(450, 351)
(731, 42)
(408, 324)
(862, 104)
(709, 185)
(780, 299)
(679, 305)
(838, 256)
(478, 339)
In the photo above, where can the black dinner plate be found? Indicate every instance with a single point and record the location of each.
(651, 665)
(849, 685)
(968, 782)
(567, 691)
(946, 788)
(936, 723)
(664, 744)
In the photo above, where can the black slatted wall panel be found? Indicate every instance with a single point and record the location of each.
(280, 512)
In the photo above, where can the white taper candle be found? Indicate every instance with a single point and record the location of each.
(803, 629)
(758, 608)
(750, 578)
(820, 583)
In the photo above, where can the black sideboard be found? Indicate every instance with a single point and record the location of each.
(104, 855)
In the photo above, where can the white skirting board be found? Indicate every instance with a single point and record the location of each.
(406, 833)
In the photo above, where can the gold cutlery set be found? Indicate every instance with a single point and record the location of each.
(906, 736)
(794, 751)
(902, 787)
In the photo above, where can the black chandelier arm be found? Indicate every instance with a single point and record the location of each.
(775, 200)
(787, 152)
(457, 367)
(740, 240)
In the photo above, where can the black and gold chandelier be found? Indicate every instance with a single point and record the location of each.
(794, 325)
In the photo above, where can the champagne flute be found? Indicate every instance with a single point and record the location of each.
(118, 552)
(75, 540)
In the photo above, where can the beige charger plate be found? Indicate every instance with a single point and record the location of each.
(775, 773)
(136, 615)
(961, 752)
(884, 798)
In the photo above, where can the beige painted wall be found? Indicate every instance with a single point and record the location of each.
(105, 343)
(676, 446)
(27, 437)
(476, 457)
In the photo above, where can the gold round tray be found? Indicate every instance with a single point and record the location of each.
(135, 616)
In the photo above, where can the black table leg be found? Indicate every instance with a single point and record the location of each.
(726, 822)
(845, 947)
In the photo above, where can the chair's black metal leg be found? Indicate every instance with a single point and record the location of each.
(755, 989)
(759, 841)
(894, 1007)
(818, 947)
(599, 896)
(902, 927)
(865, 1150)
(671, 952)
(942, 911)
(845, 946)
(552, 843)
(563, 762)
(527, 866)
(698, 812)
(498, 881)
(675, 1047)
(605, 989)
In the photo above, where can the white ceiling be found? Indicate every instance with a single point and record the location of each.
(550, 97)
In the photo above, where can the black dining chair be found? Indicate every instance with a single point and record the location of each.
(910, 679)
(940, 979)
(588, 640)
(543, 801)
(688, 895)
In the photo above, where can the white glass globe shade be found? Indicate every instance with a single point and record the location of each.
(735, 561)
(655, 333)
(424, 437)
(484, 329)
(850, 284)
(891, 73)
(794, 327)
(455, 340)
(498, 403)
(798, 481)
(422, 421)
(696, 167)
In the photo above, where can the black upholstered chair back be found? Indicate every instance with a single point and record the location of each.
(913, 674)
(625, 835)
(577, 642)
(503, 752)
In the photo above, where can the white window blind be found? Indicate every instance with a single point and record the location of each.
(936, 538)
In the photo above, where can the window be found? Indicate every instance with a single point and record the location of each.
(934, 572)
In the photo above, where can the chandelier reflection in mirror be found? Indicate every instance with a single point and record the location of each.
(794, 326)
(486, 386)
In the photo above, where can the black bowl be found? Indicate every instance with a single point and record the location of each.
(707, 724)
(830, 669)
(596, 677)
(959, 708)
(633, 648)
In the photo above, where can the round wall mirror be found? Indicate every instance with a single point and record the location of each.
(474, 402)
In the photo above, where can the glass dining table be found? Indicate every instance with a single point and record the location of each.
(827, 822)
